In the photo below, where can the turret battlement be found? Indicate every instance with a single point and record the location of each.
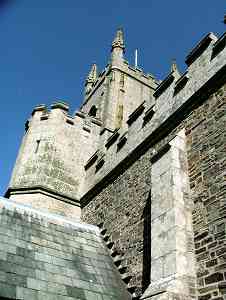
(59, 112)
(51, 159)
(42, 109)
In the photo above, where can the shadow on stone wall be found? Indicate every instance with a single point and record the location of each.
(146, 275)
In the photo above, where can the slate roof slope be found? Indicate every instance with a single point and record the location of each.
(44, 256)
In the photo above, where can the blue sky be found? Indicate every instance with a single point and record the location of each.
(47, 47)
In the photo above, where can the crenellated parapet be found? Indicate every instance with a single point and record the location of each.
(59, 113)
(173, 98)
(51, 158)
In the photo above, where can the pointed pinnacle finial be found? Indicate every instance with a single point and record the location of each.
(174, 68)
(118, 40)
(174, 65)
(92, 74)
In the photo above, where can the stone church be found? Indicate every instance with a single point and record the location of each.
(126, 198)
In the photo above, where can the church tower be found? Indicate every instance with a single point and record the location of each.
(118, 90)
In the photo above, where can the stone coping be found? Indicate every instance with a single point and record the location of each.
(54, 218)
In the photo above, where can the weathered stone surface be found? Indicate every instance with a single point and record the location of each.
(126, 202)
(49, 167)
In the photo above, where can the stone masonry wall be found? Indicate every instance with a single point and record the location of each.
(206, 143)
(50, 155)
(124, 203)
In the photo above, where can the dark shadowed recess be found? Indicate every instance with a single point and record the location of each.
(146, 276)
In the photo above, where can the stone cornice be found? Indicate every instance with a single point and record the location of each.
(42, 190)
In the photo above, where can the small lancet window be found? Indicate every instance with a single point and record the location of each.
(93, 111)
(37, 146)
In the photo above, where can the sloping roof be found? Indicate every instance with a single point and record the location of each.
(44, 256)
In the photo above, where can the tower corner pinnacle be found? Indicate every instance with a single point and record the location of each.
(118, 41)
(92, 76)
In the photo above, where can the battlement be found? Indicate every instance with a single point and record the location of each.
(200, 48)
(172, 98)
(43, 112)
(59, 112)
(43, 109)
(49, 170)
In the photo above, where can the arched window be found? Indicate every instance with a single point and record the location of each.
(93, 111)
